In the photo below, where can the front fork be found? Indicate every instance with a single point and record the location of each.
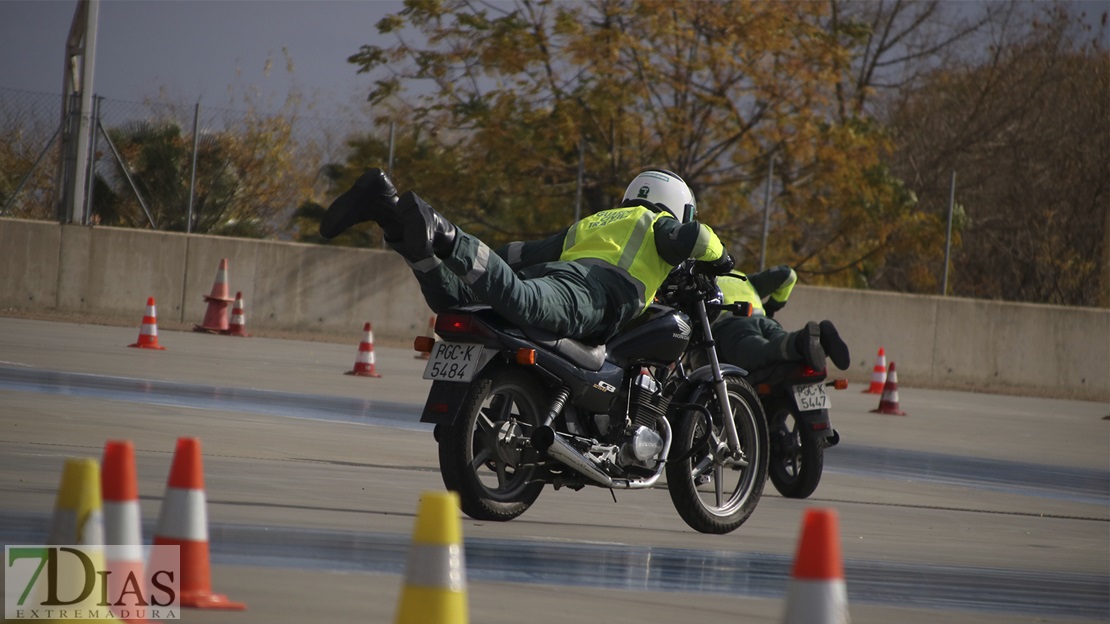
(732, 438)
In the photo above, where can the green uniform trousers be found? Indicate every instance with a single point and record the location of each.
(753, 342)
(570, 299)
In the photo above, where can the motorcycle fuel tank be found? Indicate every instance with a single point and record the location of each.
(660, 334)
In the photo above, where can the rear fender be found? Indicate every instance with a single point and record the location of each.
(817, 423)
(811, 423)
(445, 399)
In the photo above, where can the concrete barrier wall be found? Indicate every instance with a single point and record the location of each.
(934, 341)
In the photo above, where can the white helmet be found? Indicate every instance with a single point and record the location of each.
(665, 189)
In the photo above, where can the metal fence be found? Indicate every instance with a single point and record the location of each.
(30, 133)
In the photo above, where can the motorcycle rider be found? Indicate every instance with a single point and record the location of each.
(758, 341)
(584, 282)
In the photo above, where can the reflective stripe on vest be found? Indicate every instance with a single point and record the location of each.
(735, 290)
(623, 238)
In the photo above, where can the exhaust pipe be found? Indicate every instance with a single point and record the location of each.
(545, 439)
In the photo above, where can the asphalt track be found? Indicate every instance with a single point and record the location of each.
(973, 508)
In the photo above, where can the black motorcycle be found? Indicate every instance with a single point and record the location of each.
(516, 409)
(796, 402)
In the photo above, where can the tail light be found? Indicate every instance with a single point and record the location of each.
(453, 323)
(811, 372)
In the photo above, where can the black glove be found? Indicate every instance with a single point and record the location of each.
(720, 266)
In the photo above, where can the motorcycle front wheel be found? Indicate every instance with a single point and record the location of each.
(480, 454)
(711, 493)
(797, 460)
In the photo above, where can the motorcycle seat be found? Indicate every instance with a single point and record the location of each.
(586, 356)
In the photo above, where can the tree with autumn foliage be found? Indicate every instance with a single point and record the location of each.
(711, 90)
(1026, 130)
(246, 176)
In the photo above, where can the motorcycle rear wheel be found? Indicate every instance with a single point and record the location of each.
(478, 458)
(797, 460)
(710, 495)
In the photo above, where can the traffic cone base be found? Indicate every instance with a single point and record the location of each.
(878, 375)
(215, 315)
(148, 331)
(817, 593)
(888, 404)
(364, 362)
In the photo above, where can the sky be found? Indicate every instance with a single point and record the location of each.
(196, 49)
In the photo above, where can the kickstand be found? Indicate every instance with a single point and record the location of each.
(613, 494)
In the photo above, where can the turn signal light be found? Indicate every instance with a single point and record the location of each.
(840, 384)
(763, 389)
(423, 344)
(525, 356)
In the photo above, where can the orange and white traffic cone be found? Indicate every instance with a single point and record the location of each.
(123, 539)
(434, 587)
(888, 404)
(215, 315)
(878, 374)
(817, 593)
(183, 522)
(148, 331)
(364, 362)
(431, 333)
(238, 325)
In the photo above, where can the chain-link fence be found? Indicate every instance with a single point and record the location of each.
(181, 167)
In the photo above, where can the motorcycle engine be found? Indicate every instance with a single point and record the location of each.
(648, 403)
(641, 443)
(640, 446)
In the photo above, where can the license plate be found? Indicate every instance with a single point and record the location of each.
(811, 397)
(453, 361)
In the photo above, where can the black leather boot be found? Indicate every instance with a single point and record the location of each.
(426, 233)
(834, 346)
(372, 198)
(807, 342)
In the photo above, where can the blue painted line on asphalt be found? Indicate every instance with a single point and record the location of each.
(1011, 477)
(196, 396)
(647, 568)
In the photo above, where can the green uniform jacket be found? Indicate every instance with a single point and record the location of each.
(767, 291)
(636, 245)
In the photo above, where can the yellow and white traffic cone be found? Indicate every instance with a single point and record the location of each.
(434, 590)
(817, 594)
(78, 521)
